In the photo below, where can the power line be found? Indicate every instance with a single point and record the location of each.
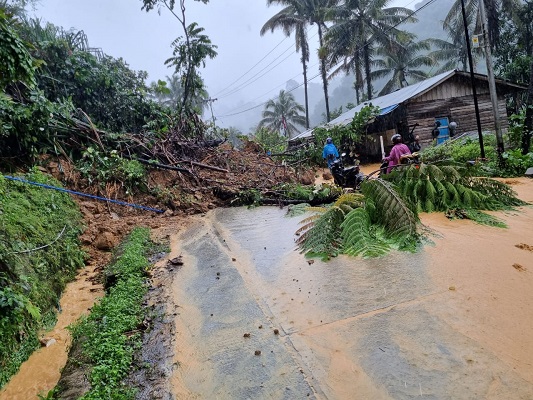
(367, 43)
(255, 65)
(252, 80)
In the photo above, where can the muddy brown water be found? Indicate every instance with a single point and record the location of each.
(41, 372)
(451, 321)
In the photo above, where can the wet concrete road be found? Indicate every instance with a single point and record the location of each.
(348, 328)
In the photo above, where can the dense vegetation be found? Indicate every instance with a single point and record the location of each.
(39, 254)
(111, 333)
(384, 216)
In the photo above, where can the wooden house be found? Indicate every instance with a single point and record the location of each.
(413, 110)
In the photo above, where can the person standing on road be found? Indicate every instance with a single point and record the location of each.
(415, 146)
(398, 150)
(330, 152)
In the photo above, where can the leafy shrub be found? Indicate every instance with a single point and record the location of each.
(110, 333)
(100, 167)
(32, 277)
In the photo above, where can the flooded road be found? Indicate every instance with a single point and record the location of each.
(451, 321)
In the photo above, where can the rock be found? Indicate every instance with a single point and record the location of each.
(175, 261)
(47, 341)
(327, 176)
(257, 352)
(105, 241)
(90, 206)
(115, 216)
(168, 213)
(276, 331)
(529, 172)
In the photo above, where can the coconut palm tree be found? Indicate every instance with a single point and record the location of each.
(495, 10)
(295, 17)
(402, 60)
(453, 52)
(283, 114)
(289, 20)
(360, 25)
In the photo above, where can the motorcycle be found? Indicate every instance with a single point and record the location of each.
(346, 177)
(405, 159)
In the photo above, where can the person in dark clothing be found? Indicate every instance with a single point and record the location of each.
(415, 145)
(330, 152)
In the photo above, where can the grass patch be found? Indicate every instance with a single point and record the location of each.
(39, 254)
(112, 332)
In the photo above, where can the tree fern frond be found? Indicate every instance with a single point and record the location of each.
(501, 195)
(451, 173)
(352, 199)
(454, 197)
(434, 172)
(357, 238)
(484, 218)
(323, 237)
(392, 211)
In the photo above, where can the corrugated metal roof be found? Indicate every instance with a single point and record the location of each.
(389, 100)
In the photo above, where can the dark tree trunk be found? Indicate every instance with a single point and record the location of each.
(528, 123)
(305, 93)
(367, 73)
(323, 72)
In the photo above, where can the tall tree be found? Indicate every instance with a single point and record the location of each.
(288, 20)
(190, 51)
(452, 53)
(401, 61)
(283, 114)
(188, 55)
(497, 11)
(296, 15)
(360, 25)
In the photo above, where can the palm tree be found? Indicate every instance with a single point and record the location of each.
(283, 114)
(401, 58)
(495, 10)
(358, 26)
(295, 17)
(453, 52)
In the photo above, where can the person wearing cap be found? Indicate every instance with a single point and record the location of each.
(330, 152)
(398, 150)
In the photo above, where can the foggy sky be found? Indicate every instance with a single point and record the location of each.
(142, 39)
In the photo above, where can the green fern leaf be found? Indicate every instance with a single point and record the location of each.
(391, 210)
(357, 237)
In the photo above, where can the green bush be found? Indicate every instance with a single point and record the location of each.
(39, 254)
(110, 334)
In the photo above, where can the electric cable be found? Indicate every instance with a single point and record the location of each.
(368, 42)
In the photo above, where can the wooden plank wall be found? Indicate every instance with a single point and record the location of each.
(458, 109)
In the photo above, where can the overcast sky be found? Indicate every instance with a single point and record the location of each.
(243, 74)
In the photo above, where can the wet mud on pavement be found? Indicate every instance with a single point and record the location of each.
(452, 321)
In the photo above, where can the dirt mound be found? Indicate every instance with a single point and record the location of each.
(211, 177)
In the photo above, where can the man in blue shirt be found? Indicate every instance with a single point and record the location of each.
(330, 152)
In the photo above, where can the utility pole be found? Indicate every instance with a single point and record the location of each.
(491, 81)
(473, 80)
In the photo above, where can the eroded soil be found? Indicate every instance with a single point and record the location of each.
(460, 309)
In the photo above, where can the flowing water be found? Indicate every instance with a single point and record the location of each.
(450, 321)
(41, 372)
(256, 319)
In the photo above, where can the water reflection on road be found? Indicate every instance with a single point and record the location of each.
(349, 328)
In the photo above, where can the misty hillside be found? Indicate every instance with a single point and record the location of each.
(340, 89)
